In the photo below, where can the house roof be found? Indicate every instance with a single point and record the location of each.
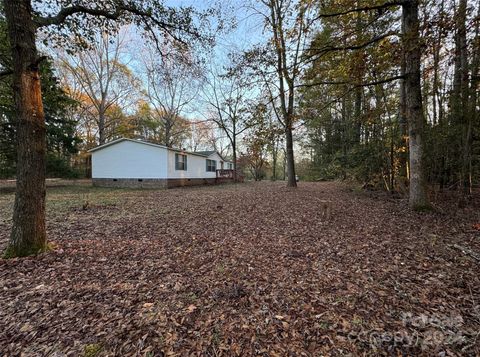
(211, 152)
(113, 142)
(206, 153)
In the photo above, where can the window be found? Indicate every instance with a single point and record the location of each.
(180, 162)
(211, 165)
(230, 166)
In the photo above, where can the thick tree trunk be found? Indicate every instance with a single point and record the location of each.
(460, 103)
(292, 182)
(436, 64)
(402, 122)
(101, 120)
(234, 149)
(414, 106)
(168, 131)
(28, 234)
(101, 127)
(358, 113)
(274, 160)
(358, 89)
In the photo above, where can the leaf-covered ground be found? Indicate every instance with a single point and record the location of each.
(252, 269)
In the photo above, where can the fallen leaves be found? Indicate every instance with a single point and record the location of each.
(191, 308)
(242, 270)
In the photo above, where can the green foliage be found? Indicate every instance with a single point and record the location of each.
(59, 166)
(61, 138)
(358, 132)
(351, 128)
(160, 23)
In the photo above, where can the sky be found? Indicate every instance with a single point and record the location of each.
(249, 25)
(247, 32)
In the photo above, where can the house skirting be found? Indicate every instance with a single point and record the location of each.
(151, 183)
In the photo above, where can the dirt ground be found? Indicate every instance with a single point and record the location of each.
(243, 270)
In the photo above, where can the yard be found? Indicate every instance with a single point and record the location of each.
(250, 269)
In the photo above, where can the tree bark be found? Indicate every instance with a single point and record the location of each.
(414, 106)
(285, 78)
(28, 234)
(436, 63)
(101, 126)
(461, 98)
(292, 182)
(358, 89)
(234, 156)
(403, 123)
(274, 159)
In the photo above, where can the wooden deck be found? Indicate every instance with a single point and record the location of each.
(228, 175)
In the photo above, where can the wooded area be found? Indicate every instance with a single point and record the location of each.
(383, 92)
(232, 270)
(370, 107)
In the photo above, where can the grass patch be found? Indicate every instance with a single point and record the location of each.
(92, 350)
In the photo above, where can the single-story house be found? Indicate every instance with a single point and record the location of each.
(136, 163)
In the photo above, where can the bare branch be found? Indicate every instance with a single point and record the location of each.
(354, 85)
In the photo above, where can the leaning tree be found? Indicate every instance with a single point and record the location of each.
(67, 23)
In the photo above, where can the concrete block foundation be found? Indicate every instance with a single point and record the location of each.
(129, 183)
(152, 183)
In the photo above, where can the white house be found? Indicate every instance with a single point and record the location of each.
(135, 163)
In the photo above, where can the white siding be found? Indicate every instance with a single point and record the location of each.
(196, 167)
(128, 159)
(219, 160)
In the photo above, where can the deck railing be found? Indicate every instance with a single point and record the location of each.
(225, 174)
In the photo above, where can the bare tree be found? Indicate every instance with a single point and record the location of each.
(226, 95)
(103, 78)
(173, 83)
(288, 23)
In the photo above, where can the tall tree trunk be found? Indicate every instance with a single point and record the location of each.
(234, 149)
(292, 181)
(414, 106)
(28, 234)
(436, 64)
(402, 122)
(101, 127)
(286, 77)
(358, 114)
(274, 159)
(168, 128)
(475, 76)
(460, 98)
(359, 80)
(102, 119)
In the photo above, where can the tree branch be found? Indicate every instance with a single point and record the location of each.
(113, 14)
(327, 49)
(5, 73)
(353, 47)
(355, 85)
(75, 9)
(362, 9)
